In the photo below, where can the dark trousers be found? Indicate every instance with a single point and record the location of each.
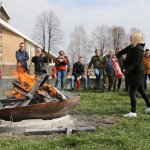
(126, 82)
(117, 82)
(108, 80)
(132, 91)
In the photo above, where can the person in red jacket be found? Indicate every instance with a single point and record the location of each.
(61, 67)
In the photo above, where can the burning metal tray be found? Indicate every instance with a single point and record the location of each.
(48, 110)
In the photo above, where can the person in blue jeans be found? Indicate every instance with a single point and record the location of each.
(61, 69)
(78, 73)
(97, 63)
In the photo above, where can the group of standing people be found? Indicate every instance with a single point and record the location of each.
(39, 60)
(135, 66)
(103, 69)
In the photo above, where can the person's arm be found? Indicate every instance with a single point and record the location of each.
(122, 52)
(90, 64)
(45, 59)
(33, 59)
(75, 71)
(83, 71)
(66, 60)
(26, 56)
(18, 57)
(57, 61)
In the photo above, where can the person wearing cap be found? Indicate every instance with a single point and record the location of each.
(146, 61)
(61, 69)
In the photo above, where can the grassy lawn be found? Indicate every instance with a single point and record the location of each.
(122, 134)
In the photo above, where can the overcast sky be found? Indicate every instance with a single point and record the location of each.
(88, 13)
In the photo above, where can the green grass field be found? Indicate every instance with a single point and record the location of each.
(121, 134)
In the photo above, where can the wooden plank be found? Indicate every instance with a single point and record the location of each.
(57, 130)
(89, 129)
(44, 131)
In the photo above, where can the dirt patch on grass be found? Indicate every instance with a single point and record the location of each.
(79, 121)
(96, 121)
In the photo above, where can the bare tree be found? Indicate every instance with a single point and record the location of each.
(100, 38)
(47, 31)
(39, 31)
(134, 30)
(118, 36)
(79, 44)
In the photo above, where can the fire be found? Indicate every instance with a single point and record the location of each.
(26, 82)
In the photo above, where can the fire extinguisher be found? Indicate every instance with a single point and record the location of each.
(117, 69)
(78, 84)
(54, 72)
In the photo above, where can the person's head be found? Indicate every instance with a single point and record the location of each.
(136, 37)
(38, 51)
(97, 52)
(80, 59)
(147, 52)
(21, 46)
(111, 52)
(61, 53)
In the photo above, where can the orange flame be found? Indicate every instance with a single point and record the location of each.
(27, 82)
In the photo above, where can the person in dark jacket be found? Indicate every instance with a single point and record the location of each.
(109, 73)
(134, 68)
(78, 73)
(39, 61)
(61, 67)
(97, 63)
(22, 56)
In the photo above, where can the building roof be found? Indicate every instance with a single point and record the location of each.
(4, 9)
(12, 29)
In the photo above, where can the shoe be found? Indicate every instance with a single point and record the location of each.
(131, 114)
(147, 110)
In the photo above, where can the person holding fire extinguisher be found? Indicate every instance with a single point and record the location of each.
(61, 67)
(78, 74)
(134, 68)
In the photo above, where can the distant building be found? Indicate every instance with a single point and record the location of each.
(9, 43)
